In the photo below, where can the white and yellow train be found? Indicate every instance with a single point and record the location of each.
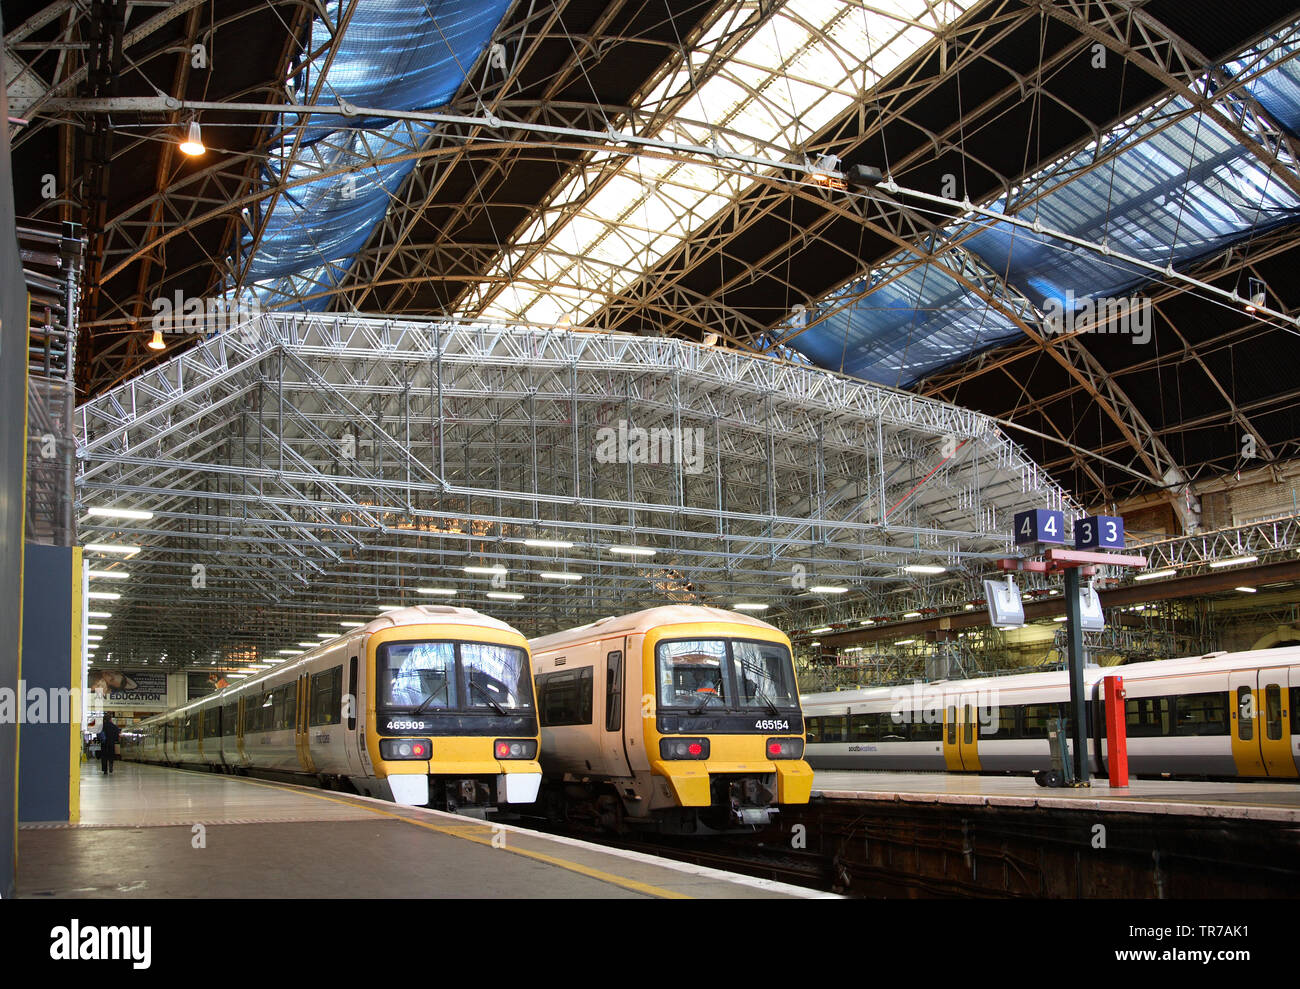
(679, 718)
(1219, 715)
(426, 706)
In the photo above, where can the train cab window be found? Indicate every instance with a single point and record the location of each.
(565, 698)
(1202, 714)
(418, 674)
(327, 697)
(1272, 712)
(1147, 717)
(496, 677)
(614, 691)
(693, 673)
(1245, 713)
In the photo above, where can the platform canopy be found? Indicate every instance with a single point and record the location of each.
(305, 471)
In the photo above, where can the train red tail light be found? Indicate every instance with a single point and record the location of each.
(515, 748)
(785, 748)
(683, 748)
(405, 748)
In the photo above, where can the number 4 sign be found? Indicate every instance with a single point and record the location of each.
(1040, 525)
(1099, 532)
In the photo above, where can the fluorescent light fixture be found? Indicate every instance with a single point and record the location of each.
(1232, 561)
(1247, 590)
(555, 575)
(749, 606)
(633, 550)
(94, 638)
(505, 595)
(290, 652)
(488, 570)
(119, 513)
(108, 574)
(1156, 574)
(99, 614)
(819, 631)
(970, 607)
(924, 568)
(103, 595)
(99, 627)
(828, 589)
(814, 643)
(904, 642)
(391, 607)
(912, 614)
(853, 649)
(548, 543)
(327, 635)
(867, 621)
(352, 624)
(1059, 618)
(236, 676)
(308, 645)
(117, 548)
(446, 592)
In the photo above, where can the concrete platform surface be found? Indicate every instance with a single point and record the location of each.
(1262, 801)
(151, 832)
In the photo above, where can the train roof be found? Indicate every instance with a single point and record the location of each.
(1213, 662)
(641, 621)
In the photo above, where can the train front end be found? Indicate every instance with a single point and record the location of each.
(452, 722)
(725, 731)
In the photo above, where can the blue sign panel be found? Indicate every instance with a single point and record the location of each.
(1040, 525)
(1099, 532)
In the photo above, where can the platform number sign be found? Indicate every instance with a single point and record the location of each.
(1040, 525)
(1099, 532)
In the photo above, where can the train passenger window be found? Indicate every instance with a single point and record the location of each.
(1034, 720)
(951, 718)
(921, 730)
(565, 698)
(229, 716)
(968, 725)
(834, 729)
(1202, 714)
(614, 691)
(352, 694)
(212, 722)
(1272, 712)
(867, 727)
(283, 707)
(1245, 713)
(326, 697)
(1147, 717)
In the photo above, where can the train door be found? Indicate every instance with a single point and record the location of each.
(961, 725)
(1275, 708)
(239, 731)
(301, 729)
(970, 733)
(951, 735)
(1244, 708)
(612, 742)
(353, 739)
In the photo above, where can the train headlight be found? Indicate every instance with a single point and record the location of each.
(405, 748)
(785, 748)
(515, 748)
(683, 748)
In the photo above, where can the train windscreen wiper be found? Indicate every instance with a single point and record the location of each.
(486, 696)
(429, 698)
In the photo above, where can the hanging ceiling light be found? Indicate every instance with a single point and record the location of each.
(193, 143)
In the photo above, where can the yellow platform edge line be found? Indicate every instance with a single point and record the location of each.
(459, 831)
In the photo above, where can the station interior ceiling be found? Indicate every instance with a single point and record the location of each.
(564, 309)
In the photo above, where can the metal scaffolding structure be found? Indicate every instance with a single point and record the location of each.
(304, 471)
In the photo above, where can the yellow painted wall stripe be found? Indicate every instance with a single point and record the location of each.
(463, 831)
(74, 738)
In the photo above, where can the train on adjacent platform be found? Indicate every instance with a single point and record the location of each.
(425, 706)
(678, 719)
(1221, 715)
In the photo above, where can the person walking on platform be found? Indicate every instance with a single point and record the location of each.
(108, 736)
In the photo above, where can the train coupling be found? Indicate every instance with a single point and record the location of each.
(752, 803)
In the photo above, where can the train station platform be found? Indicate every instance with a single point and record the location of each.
(1260, 801)
(152, 832)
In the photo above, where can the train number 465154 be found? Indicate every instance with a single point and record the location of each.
(772, 725)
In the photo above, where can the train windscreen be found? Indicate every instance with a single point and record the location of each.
(453, 676)
(725, 674)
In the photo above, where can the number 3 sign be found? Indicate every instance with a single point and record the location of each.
(1099, 532)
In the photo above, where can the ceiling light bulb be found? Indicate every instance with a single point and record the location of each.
(193, 143)
(156, 341)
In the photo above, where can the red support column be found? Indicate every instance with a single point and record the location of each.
(1116, 732)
